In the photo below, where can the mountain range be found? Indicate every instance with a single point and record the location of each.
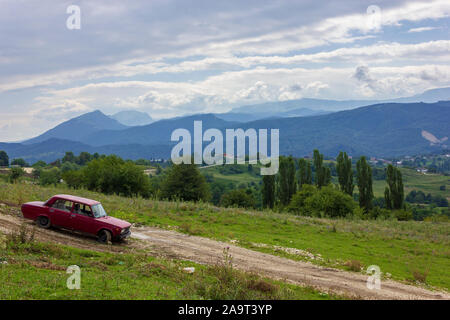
(380, 130)
(132, 118)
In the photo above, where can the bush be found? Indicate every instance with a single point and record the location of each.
(402, 215)
(230, 284)
(74, 179)
(420, 276)
(238, 198)
(326, 201)
(297, 204)
(330, 202)
(185, 182)
(112, 175)
(354, 265)
(15, 174)
(19, 162)
(51, 176)
(4, 159)
(20, 236)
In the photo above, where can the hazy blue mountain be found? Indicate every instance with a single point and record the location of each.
(238, 117)
(132, 118)
(246, 117)
(53, 149)
(158, 132)
(77, 128)
(381, 130)
(432, 95)
(389, 129)
(305, 103)
(48, 150)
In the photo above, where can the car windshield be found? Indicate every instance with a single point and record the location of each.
(98, 211)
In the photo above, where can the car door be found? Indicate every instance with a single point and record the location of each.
(82, 219)
(60, 212)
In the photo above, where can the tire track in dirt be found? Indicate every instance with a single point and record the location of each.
(172, 244)
(207, 251)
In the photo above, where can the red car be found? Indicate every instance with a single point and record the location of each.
(75, 213)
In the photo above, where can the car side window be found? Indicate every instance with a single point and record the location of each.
(82, 209)
(63, 205)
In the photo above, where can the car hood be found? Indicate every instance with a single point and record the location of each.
(114, 222)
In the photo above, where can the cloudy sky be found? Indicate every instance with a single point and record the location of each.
(170, 58)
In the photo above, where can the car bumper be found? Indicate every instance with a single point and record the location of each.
(124, 235)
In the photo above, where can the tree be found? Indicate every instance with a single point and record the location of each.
(237, 198)
(297, 204)
(345, 173)
(83, 158)
(323, 174)
(185, 182)
(51, 176)
(304, 172)
(330, 202)
(68, 157)
(394, 192)
(15, 174)
(39, 164)
(364, 181)
(19, 162)
(112, 174)
(287, 185)
(268, 191)
(4, 159)
(326, 201)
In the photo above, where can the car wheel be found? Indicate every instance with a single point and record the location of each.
(104, 236)
(43, 222)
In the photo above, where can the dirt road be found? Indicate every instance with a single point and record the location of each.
(206, 251)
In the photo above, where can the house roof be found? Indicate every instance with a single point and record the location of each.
(81, 200)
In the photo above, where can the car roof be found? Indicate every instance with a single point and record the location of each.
(81, 200)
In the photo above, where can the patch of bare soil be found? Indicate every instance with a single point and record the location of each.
(207, 251)
(172, 244)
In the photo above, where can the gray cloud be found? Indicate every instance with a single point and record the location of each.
(174, 57)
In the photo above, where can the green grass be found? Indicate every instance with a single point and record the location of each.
(237, 178)
(399, 248)
(38, 271)
(413, 180)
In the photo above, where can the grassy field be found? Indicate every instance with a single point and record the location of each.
(413, 180)
(235, 178)
(401, 249)
(33, 270)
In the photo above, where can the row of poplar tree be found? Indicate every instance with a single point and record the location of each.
(279, 189)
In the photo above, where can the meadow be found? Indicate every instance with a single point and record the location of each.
(34, 270)
(413, 180)
(411, 251)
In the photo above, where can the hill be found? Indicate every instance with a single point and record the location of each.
(402, 249)
(53, 149)
(305, 103)
(382, 130)
(132, 118)
(156, 133)
(77, 128)
(247, 117)
(320, 105)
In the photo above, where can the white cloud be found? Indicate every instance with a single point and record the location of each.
(169, 59)
(421, 29)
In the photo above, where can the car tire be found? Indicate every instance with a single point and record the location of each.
(104, 236)
(43, 222)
